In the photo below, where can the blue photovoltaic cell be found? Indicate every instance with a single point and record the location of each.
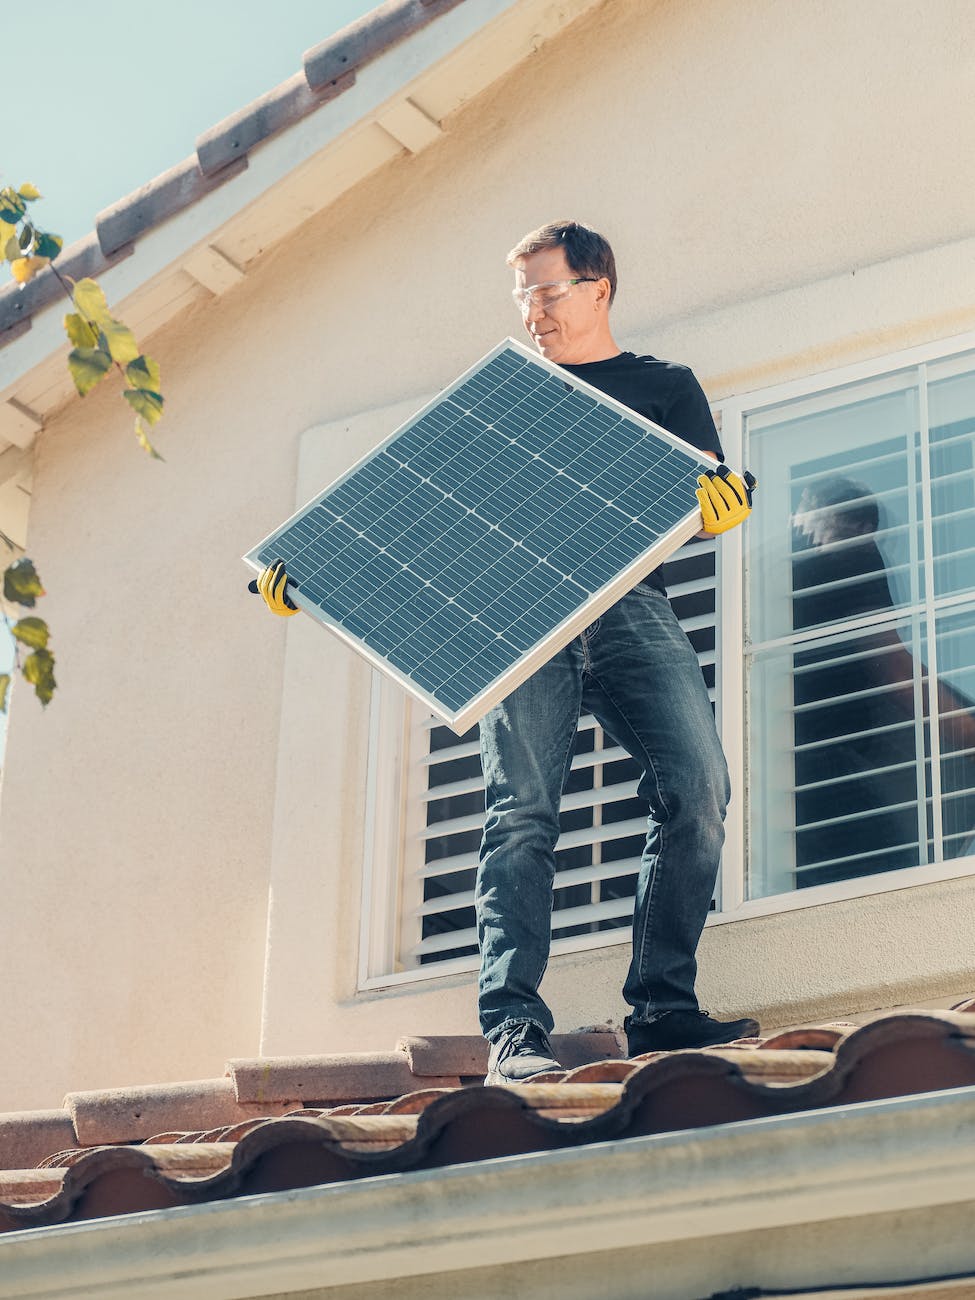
(484, 524)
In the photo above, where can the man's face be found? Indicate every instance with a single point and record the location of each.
(573, 330)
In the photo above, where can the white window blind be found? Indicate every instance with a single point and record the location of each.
(603, 824)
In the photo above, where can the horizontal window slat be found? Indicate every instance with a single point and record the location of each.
(808, 746)
(589, 914)
(563, 880)
(591, 759)
(848, 697)
(568, 840)
(466, 750)
(581, 799)
(690, 588)
(858, 775)
(862, 815)
(856, 857)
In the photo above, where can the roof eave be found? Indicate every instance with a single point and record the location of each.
(211, 216)
(853, 1162)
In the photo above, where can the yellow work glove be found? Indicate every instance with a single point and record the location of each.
(724, 498)
(271, 585)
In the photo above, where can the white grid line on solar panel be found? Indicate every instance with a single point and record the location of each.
(539, 541)
(421, 632)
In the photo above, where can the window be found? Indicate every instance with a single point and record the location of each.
(603, 823)
(840, 657)
(860, 629)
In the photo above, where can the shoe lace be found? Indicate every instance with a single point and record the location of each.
(526, 1040)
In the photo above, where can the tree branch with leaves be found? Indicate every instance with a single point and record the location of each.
(100, 344)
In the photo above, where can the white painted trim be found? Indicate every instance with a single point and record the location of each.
(908, 1155)
(821, 381)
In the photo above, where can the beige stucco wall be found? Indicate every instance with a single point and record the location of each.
(783, 187)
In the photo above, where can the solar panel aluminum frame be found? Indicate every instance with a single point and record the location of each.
(461, 720)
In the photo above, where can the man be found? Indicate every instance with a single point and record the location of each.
(636, 671)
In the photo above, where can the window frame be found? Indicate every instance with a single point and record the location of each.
(393, 736)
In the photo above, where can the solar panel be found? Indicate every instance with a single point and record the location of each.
(489, 530)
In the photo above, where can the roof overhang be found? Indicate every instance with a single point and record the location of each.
(228, 208)
(855, 1163)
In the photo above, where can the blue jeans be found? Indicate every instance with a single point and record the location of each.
(635, 670)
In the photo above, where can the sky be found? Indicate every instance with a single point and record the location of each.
(116, 94)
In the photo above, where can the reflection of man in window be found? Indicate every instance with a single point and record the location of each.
(857, 773)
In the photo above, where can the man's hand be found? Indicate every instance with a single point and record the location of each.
(724, 498)
(271, 585)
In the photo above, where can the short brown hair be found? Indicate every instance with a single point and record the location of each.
(586, 251)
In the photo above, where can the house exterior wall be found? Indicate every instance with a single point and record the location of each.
(784, 192)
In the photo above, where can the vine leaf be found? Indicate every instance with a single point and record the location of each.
(89, 298)
(38, 669)
(4, 688)
(120, 341)
(79, 332)
(48, 245)
(21, 583)
(143, 372)
(12, 206)
(87, 366)
(145, 403)
(29, 192)
(32, 632)
(142, 433)
(25, 268)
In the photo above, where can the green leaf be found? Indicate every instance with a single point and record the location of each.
(4, 688)
(12, 206)
(79, 332)
(145, 403)
(21, 583)
(88, 366)
(26, 235)
(38, 669)
(48, 245)
(143, 372)
(29, 192)
(142, 434)
(90, 301)
(11, 249)
(120, 341)
(33, 632)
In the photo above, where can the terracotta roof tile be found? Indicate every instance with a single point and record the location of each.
(124, 221)
(132, 1114)
(464, 1054)
(26, 1138)
(368, 37)
(354, 1076)
(430, 1127)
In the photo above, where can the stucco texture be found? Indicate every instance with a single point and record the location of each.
(201, 757)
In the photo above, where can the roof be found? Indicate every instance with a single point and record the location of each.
(278, 1124)
(328, 70)
(381, 89)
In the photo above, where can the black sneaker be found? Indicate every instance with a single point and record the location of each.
(522, 1051)
(676, 1029)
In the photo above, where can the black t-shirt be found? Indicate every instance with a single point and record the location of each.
(660, 391)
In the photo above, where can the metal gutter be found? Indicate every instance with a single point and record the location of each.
(854, 1162)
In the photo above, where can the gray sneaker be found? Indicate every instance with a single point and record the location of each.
(522, 1051)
